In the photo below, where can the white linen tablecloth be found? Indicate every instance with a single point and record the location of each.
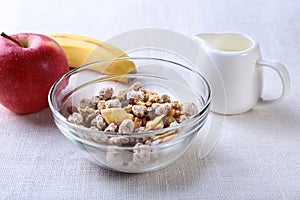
(257, 156)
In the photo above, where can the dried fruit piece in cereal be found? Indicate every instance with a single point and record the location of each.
(115, 115)
(169, 138)
(155, 124)
(101, 104)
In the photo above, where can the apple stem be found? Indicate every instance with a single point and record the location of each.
(12, 39)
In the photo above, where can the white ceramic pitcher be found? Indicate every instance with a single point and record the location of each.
(237, 77)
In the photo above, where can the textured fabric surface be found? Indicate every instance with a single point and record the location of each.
(257, 156)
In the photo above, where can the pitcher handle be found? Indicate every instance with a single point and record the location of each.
(284, 77)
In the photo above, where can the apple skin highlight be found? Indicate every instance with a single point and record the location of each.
(28, 72)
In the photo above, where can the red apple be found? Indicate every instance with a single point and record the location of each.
(29, 65)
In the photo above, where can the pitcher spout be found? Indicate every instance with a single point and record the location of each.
(226, 42)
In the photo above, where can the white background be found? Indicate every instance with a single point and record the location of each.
(257, 156)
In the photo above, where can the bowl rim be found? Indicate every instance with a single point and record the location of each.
(201, 112)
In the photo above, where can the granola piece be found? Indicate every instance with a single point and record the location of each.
(119, 140)
(178, 113)
(169, 120)
(76, 118)
(111, 128)
(172, 112)
(140, 129)
(154, 106)
(124, 103)
(99, 138)
(148, 94)
(99, 122)
(71, 109)
(162, 109)
(140, 140)
(144, 121)
(127, 126)
(131, 141)
(154, 98)
(182, 118)
(141, 154)
(113, 103)
(148, 104)
(136, 95)
(95, 100)
(122, 95)
(165, 98)
(106, 93)
(132, 101)
(174, 123)
(136, 86)
(86, 111)
(139, 111)
(114, 158)
(94, 128)
(189, 109)
(176, 105)
(89, 118)
(86, 103)
(140, 103)
(86, 136)
(149, 115)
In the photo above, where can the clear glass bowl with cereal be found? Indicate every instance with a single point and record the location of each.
(133, 122)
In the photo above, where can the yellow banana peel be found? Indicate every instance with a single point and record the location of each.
(81, 50)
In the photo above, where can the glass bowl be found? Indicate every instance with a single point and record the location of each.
(132, 152)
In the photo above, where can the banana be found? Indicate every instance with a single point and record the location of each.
(81, 50)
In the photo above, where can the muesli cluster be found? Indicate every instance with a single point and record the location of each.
(130, 112)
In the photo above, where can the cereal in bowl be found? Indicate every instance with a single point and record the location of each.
(130, 112)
